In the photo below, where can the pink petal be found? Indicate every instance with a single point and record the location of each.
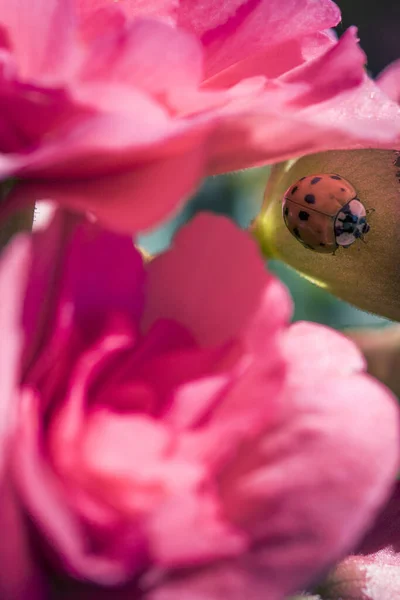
(19, 579)
(233, 580)
(152, 56)
(166, 372)
(162, 9)
(40, 33)
(329, 352)
(267, 129)
(244, 406)
(389, 81)
(274, 61)
(130, 461)
(343, 433)
(47, 502)
(69, 420)
(81, 264)
(102, 273)
(31, 113)
(367, 114)
(274, 313)
(14, 266)
(232, 31)
(385, 531)
(173, 541)
(211, 281)
(184, 413)
(243, 400)
(373, 572)
(316, 106)
(111, 137)
(338, 69)
(121, 201)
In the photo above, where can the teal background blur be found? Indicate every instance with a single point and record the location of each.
(239, 196)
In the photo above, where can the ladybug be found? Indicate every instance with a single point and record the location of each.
(323, 212)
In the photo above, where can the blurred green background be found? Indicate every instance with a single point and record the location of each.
(239, 195)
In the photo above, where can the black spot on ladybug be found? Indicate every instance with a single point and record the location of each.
(303, 215)
(295, 189)
(310, 198)
(336, 177)
(296, 232)
(286, 211)
(322, 244)
(315, 180)
(342, 189)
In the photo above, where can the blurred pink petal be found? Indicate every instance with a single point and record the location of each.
(49, 507)
(165, 442)
(20, 578)
(120, 109)
(234, 30)
(302, 103)
(274, 60)
(309, 428)
(163, 9)
(373, 571)
(389, 81)
(199, 297)
(137, 57)
(345, 57)
(316, 338)
(130, 191)
(13, 276)
(385, 531)
(40, 35)
(297, 533)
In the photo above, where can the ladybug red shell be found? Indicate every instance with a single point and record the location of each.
(323, 212)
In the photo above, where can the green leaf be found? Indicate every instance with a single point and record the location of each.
(366, 274)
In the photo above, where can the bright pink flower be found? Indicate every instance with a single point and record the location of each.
(163, 427)
(105, 104)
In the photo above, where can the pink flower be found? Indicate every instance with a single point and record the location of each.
(105, 105)
(165, 430)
